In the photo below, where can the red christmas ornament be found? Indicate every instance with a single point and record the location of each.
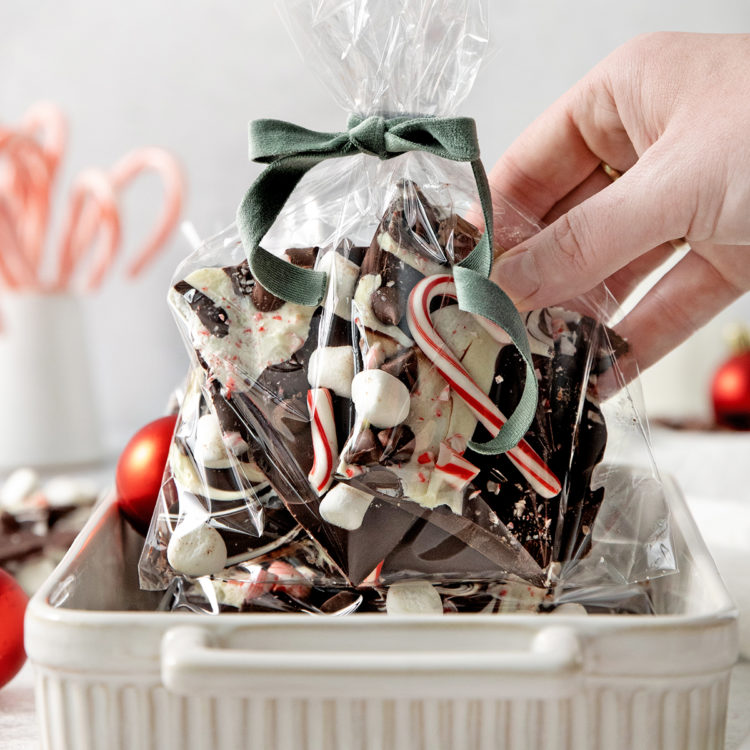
(730, 388)
(140, 471)
(13, 602)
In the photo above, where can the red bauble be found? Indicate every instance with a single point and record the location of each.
(730, 392)
(140, 471)
(13, 602)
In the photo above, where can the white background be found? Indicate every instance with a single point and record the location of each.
(189, 74)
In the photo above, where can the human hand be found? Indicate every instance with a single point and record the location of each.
(672, 113)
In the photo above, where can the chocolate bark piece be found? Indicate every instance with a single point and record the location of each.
(238, 501)
(241, 278)
(211, 315)
(458, 236)
(397, 444)
(364, 450)
(405, 247)
(413, 223)
(393, 279)
(264, 300)
(568, 432)
(342, 601)
(387, 304)
(403, 365)
(304, 257)
(18, 546)
(474, 545)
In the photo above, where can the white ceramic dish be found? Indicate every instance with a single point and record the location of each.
(113, 675)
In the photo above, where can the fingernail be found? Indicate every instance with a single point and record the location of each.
(518, 276)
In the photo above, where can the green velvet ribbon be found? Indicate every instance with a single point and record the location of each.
(290, 151)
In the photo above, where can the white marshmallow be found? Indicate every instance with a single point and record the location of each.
(196, 550)
(380, 398)
(62, 490)
(570, 608)
(209, 446)
(332, 367)
(18, 487)
(413, 598)
(345, 506)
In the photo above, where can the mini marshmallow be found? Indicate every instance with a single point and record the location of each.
(62, 491)
(380, 398)
(209, 446)
(18, 487)
(413, 598)
(332, 367)
(196, 550)
(570, 608)
(345, 506)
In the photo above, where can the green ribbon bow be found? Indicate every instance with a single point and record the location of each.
(290, 151)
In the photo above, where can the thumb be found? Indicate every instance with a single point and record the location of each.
(599, 236)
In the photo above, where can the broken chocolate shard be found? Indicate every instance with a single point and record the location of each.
(387, 305)
(398, 444)
(458, 236)
(241, 278)
(304, 257)
(404, 366)
(264, 300)
(364, 450)
(412, 222)
(342, 601)
(211, 315)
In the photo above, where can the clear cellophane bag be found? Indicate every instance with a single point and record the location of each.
(323, 459)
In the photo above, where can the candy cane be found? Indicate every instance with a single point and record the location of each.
(46, 119)
(523, 456)
(166, 166)
(325, 444)
(28, 192)
(93, 206)
(15, 269)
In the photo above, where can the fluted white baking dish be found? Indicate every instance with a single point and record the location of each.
(113, 674)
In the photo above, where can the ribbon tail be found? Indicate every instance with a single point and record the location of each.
(480, 258)
(270, 140)
(255, 216)
(480, 296)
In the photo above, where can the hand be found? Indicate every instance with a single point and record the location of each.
(672, 113)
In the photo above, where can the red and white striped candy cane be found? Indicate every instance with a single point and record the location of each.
(325, 444)
(523, 456)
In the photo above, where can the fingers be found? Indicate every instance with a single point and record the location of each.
(598, 237)
(596, 181)
(562, 147)
(683, 300)
(623, 282)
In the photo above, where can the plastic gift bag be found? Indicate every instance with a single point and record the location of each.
(369, 424)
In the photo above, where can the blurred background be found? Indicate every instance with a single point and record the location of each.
(188, 75)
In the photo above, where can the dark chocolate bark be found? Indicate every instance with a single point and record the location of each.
(258, 353)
